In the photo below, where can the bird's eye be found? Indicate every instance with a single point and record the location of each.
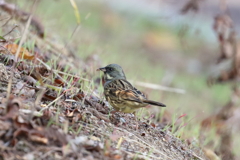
(110, 69)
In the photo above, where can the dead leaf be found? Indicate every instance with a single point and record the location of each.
(21, 132)
(12, 108)
(58, 82)
(24, 53)
(37, 137)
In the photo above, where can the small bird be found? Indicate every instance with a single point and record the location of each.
(121, 95)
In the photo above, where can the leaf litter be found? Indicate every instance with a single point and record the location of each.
(49, 114)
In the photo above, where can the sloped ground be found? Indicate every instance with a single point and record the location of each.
(46, 114)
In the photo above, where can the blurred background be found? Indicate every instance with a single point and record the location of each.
(174, 45)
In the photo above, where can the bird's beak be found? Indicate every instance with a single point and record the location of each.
(102, 69)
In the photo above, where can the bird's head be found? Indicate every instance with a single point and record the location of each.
(112, 72)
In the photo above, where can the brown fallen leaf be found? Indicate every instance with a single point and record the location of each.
(37, 137)
(24, 53)
(12, 108)
(19, 123)
(48, 97)
(58, 82)
(21, 132)
(117, 156)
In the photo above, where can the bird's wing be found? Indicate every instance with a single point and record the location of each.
(129, 95)
(121, 84)
(123, 90)
(139, 92)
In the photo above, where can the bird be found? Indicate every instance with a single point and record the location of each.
(120, 93)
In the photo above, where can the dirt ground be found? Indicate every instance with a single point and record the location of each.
(44, 113)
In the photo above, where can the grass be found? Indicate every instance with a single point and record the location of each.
(114, 53)
(119, 38)
(137, 70)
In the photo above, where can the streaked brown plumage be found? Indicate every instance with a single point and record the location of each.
(120, 93)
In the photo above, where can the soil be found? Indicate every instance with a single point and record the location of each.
(44, 113)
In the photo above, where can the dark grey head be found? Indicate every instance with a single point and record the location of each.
(112, 72)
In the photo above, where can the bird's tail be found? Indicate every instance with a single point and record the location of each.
(154, 103)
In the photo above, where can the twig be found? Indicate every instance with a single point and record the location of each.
(98, 114)
(74, 31)
(68, 74)
(8, 19)
(23, 37)
(49, 68)
(4, 18)
(40, 95)
(140, 141)
(50, 103)
(10, 30)
(159, 87)
(27, 111)
(53, 149)
(18, 51)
